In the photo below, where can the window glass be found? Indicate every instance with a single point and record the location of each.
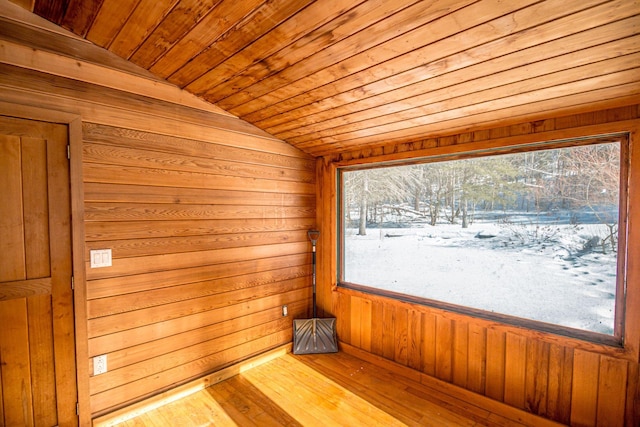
(532, 234)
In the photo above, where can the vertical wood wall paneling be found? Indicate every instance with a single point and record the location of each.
(547, 376)
(355, 320)
(633, 395)
(377, 325)
(61, 286)
(515, 370)
(1, 395)
(327, 306)
(343, 315)
(429, 343)
(444, 348)
(400, 332)
(559, 383)
(496, 353)
(584, 405)
(414, 340)
(365, 320)
(388, 331)
(537, 376)
(611, 386)
(460, 353)
(477, 358)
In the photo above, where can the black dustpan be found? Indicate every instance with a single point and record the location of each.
(314, 335)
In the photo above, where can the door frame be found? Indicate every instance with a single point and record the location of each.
(74, 124)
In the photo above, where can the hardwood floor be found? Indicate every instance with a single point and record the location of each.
(331, 390)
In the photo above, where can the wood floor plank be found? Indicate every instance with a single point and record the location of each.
(249, 405)
(375, 386)
(330, 389)
(330, 401)
(204, 409)
(238, 406)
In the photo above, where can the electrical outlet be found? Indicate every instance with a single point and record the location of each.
(285, 311)
(100, 364)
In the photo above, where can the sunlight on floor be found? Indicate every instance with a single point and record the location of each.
(323, 390)
(327, 403)
(301, 396)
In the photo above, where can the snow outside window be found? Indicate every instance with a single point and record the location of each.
(531, 235)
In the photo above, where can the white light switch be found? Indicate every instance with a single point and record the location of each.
(100, 258)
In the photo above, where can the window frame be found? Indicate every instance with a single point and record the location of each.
(615, 340)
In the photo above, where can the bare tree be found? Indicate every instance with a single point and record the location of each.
(591, 180)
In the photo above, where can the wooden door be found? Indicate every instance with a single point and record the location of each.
(37, 347)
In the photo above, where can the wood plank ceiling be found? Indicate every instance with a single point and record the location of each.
(335, 75)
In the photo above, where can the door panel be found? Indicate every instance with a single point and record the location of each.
(12, 265)
(37, 347)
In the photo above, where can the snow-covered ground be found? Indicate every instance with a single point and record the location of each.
(542, 274)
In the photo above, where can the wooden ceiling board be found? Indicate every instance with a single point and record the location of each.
(330, 76)
(511, 81)
(609, 97)
(139, 26)
(429, 46)
(79, 15)
(53, 9)
(391, 94)
(501, 85)
(513, 95)
(369, 48)
(308, 19)
(504, 53)
(111, 17)
(182, 19)
(188, 60)
(362, 16)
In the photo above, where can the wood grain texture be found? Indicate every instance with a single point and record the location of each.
(12, 264)
(485, 62)
(571, 381)
(515, 370)
(16, 374)
(42, 359)
(496, 341)
(613, 378)
(330, 389)
(559, 383)
(25, 288)
(228, 248)
(40, 306)
(36, 205)
(585, 388)
(178, 20)
(444, 349)
(206, 217)
(331, 76)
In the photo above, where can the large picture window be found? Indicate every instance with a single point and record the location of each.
(534, 234)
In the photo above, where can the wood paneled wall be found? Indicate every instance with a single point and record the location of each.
(571, 381)
(208, 243)
(206, 217)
